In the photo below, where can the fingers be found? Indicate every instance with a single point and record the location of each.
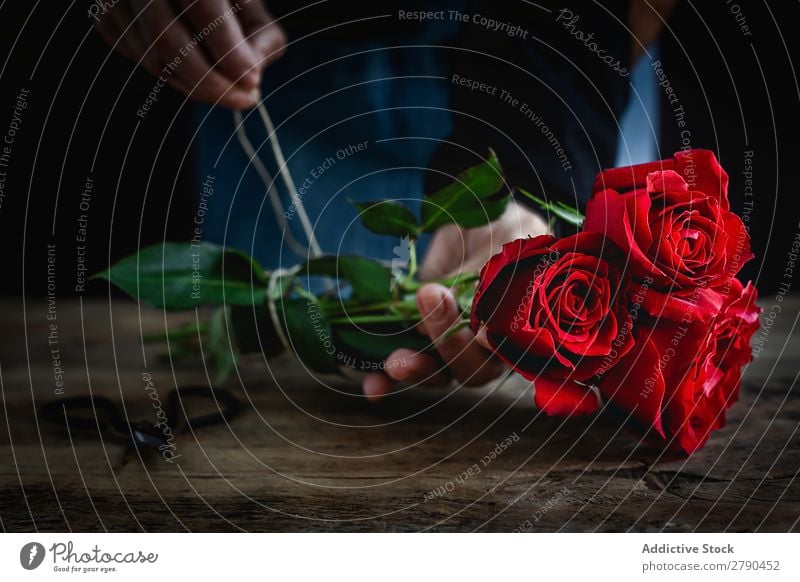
(469, 363)
(265, 35)
(169, 41)
(150, 33)
(408, 366)
(463, 356)
(453, 249)
(523, 221)
(445, 254)
(376, 386)
(222, 35)
(415, 368)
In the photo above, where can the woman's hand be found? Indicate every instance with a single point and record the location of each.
(210, 50)
(453, 250)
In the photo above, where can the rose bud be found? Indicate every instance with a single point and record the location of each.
(555, 310)
(672, 219)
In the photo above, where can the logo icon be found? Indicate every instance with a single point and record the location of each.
(31, 555)
(402, 256)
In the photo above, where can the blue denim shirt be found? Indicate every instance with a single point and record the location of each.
(357, 122)
(360, 116)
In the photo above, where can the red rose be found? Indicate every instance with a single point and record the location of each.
(672, 219)
(675, 386)
(699, 168)
(556, 311)
(736, 328)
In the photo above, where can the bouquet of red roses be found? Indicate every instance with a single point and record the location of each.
(641, 308)
(639, 311)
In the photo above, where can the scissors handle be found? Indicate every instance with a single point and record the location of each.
(100, 412)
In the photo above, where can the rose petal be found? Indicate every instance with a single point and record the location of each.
(683, 305)
(509, 256)
(636, 385)
(666, 181)
(738, 251)
(564, 398)
(610, 214)
(702, 171)
(698, 167)
(629, 177)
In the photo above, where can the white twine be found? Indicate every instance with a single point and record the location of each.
(272, 192)
(286, 175)
(274, 277)
(298, 248)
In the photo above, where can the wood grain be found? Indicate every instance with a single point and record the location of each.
(309, 457)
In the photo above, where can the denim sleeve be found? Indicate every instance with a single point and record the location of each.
(358, 119)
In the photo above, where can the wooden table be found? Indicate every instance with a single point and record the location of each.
(306, 457)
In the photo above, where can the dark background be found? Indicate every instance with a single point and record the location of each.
(740, 93)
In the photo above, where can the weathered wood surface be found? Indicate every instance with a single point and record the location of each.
(306, 457)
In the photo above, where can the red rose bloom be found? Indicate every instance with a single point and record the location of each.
(734, 330)
(672, 219)
(676, 385)
(555, 310)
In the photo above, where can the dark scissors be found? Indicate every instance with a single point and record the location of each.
(93, 412)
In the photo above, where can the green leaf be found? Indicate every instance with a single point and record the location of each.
(468, 201)
(371, 281)
(180, 276)
(557, 208)
(385, 217)
(478, 213)
(380, 345)
(222, 349)
(309, 333)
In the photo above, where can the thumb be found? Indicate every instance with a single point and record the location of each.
(445, 254)
(264, 34)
